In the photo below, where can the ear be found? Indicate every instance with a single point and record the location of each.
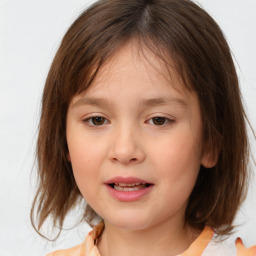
(209, 158)
(68, 157)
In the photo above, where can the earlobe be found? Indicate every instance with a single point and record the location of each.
(209, 160)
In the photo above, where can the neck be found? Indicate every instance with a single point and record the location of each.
(164, 239)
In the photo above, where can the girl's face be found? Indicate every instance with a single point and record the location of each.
(134, 142)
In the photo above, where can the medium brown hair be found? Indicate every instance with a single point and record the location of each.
(176, 31)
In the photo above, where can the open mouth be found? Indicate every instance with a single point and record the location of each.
(128, 189)
(129, 186)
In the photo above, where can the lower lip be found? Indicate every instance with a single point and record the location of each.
(129, 196)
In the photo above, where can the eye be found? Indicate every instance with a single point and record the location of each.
(96, 120)
(160, 120)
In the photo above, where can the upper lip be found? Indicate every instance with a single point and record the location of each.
(126, 180)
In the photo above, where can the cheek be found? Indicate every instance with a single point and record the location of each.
(85, 151)
(83, 159)
(178, 158)
(87, 154)
(85, 172)
(178, 167)
(178, 149)
(80, 156)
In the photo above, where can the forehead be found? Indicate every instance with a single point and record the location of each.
(137, 64)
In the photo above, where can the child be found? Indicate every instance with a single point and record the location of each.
(142, 117)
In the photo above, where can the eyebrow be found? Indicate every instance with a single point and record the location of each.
(91, 101)
(101, 102)
(164, 101)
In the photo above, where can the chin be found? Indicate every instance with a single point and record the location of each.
(129, 222)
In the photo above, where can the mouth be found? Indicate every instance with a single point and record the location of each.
(129, 186)
(128, 189)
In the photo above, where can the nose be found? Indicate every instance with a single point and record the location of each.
(127, 146)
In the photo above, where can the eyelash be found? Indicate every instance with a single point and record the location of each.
(89, 121)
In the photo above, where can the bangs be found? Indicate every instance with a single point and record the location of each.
(142, 47)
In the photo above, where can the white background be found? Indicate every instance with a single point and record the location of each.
(30, 32)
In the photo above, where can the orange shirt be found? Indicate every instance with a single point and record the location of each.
(200, 247)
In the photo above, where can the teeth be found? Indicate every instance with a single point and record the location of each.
(129, 184)
(121, 184)
(129, 187)
(126, 189)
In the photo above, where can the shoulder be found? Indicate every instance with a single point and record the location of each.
(87, 248)
(228, 247)
(243, 251)
(220, 248)
(74, 251)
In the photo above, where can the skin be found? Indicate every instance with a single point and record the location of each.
(130, 141)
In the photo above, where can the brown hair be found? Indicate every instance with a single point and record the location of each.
(177, 30)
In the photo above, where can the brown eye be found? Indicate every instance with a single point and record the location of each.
(98, 120)
(159, 120)
(95, 121)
